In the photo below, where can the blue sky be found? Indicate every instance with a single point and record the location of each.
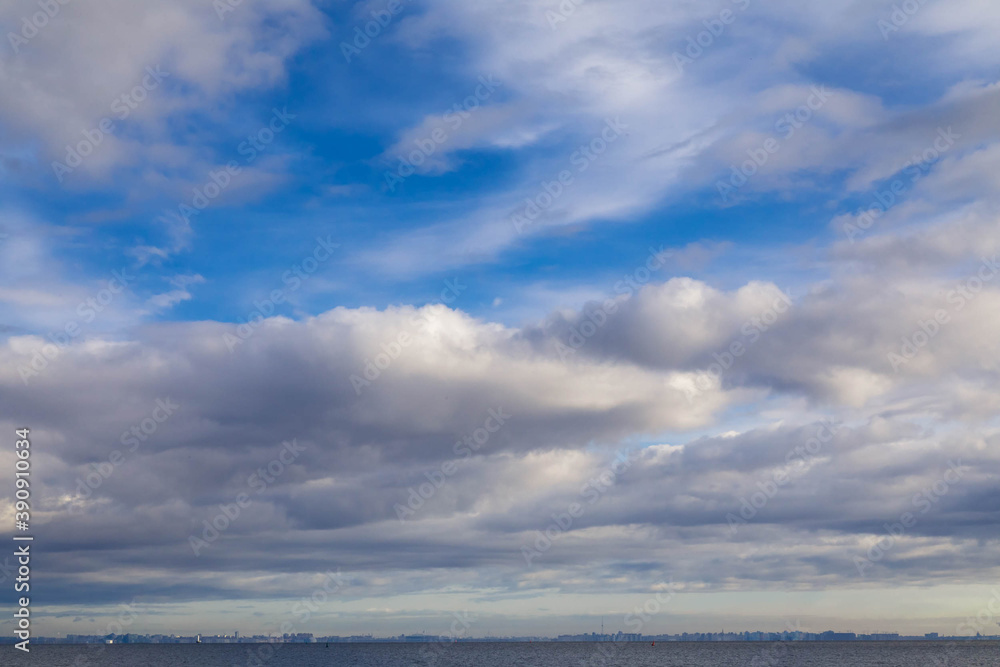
(231, 158)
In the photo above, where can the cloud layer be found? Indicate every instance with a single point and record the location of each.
(520, 304)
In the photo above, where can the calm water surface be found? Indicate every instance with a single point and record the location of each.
(546, 654)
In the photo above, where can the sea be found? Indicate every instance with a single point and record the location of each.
(510, 654)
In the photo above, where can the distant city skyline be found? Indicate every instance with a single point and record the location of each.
(308, 637)
(332, 619)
